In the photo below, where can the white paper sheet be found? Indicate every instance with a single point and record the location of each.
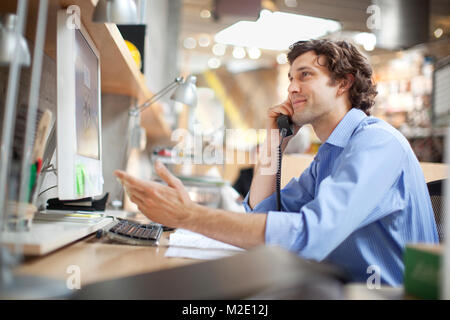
(187, 244)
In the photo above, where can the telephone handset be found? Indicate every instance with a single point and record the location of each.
(285, 125)
(286, 129)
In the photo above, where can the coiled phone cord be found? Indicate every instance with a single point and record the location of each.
(278, 182)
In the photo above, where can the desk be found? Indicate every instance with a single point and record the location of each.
(99, 260)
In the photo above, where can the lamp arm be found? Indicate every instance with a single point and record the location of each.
(157, 96)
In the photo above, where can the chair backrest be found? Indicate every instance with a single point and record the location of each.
(436, 191)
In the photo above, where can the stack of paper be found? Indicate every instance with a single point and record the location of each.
(187, 244)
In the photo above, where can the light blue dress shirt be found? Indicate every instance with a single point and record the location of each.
(361, 200)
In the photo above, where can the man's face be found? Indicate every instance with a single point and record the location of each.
(310, 90)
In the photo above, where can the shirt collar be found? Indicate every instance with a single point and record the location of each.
(344, 130)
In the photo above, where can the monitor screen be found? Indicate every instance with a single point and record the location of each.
(86, 86)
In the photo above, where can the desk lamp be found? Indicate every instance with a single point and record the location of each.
(115, 11)
(8, 42)
(185, 92)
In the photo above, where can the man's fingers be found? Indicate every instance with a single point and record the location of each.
(281, 109)
(130, 181)
(137, 200)
(164, 174)
(125, 177)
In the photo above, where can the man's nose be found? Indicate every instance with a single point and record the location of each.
(294, 87)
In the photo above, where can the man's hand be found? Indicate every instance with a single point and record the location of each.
(274, 112)
(167, 205)
(171, 206)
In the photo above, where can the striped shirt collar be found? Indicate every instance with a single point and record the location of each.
(344, 130)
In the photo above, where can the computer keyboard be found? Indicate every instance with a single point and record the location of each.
(131, 232)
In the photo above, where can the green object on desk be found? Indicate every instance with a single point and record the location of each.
(422, 271)
(33, 175)
(80, 174)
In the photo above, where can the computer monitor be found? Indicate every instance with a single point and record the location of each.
(441, 93)
(78, 131)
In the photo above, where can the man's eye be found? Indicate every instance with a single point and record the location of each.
(305, 73)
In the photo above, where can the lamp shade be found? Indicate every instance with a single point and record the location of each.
(186, 92)
(8, 47)
(115, 11)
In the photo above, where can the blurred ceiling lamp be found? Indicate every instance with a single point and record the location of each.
(282, 58)
(205, 14)
(276, 30)
(204, 40)
(8, 44)
(238, 53)
(438, 32)
(190, 43)
(254, 53)
(219, 49)
(291, 3)
(367, 40)
(116, 11)
(214, 63)
(401, 23)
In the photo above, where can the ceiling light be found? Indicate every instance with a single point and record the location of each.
(238, 52)
(214, 63)
(254, 53)
(204, 41)
(282, 58)
(290, 3)
(219, 49)
(205, 14)
(190, 43)
(276, 30)
(367, 40)
(438, 32)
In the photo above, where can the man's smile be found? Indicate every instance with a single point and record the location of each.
(298, 102)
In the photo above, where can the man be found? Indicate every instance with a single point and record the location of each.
(360, 201)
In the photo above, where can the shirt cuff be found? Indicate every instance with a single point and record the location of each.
(285, 229)
(266, 205)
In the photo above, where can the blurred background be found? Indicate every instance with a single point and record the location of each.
(237, 50)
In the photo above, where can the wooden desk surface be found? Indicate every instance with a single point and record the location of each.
(99, 260)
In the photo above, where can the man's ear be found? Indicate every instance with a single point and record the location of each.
(346, 83)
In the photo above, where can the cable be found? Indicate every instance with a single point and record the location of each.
(46, 190)
(278, 182)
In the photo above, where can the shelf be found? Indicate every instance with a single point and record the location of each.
(119, 73)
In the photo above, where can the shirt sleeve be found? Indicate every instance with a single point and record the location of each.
(294, 195)
(366, 170)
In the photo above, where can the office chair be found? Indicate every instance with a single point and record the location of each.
(435, 189)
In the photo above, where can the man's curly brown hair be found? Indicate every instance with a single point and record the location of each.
(343, 58)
